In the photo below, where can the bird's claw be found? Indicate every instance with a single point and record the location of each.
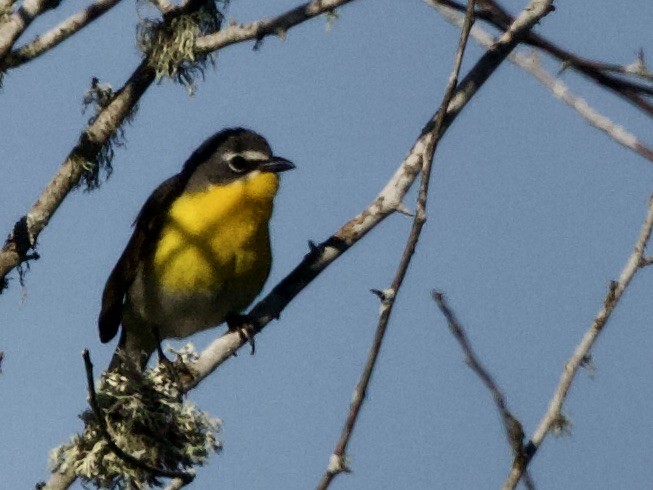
(244, 325)
(163, 359)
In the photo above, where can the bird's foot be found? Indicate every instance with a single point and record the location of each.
(245, 326)
(163, 359)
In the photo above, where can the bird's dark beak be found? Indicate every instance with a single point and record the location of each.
(276, 165)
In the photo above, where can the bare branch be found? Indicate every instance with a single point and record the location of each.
(592, 116)
(635, 93)
(531, 65)
(512, 426)
(553, 414)
(258, 30)
(58, 34)
(593, 69)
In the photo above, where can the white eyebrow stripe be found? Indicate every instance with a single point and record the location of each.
(251, 155)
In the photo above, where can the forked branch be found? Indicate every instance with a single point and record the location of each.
(553, 415)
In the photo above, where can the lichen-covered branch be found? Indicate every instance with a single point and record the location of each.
(90, 143)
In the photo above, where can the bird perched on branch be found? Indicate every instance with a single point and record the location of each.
(200, 250)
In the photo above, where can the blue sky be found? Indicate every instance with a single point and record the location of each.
(532, 213)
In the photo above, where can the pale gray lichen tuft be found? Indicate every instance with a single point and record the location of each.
(99, 167)
(148, 418)
(169, 45)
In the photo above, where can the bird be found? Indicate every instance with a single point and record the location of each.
(200, 250)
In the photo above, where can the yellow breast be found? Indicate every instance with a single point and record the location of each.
(217, 240)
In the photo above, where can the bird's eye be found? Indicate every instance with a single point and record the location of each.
(238, 164)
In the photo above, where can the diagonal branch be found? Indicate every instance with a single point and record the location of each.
(596, 70)
(635, 93)
(553, 416)
(559, 89)
(90, 144)
(16, 23)
(57, 34)
(512, 426)
(267, 27)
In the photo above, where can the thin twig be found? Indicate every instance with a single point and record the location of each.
(57, 34)
(646, 261)
(636, 69)
(635, 93)
(104, 429)
(553, 415)
(559, 89)
(337, 461)
(592, 69)
(512, 426)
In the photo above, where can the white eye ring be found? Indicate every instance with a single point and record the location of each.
(238, 164)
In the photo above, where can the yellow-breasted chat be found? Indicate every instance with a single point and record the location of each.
(200, 250)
